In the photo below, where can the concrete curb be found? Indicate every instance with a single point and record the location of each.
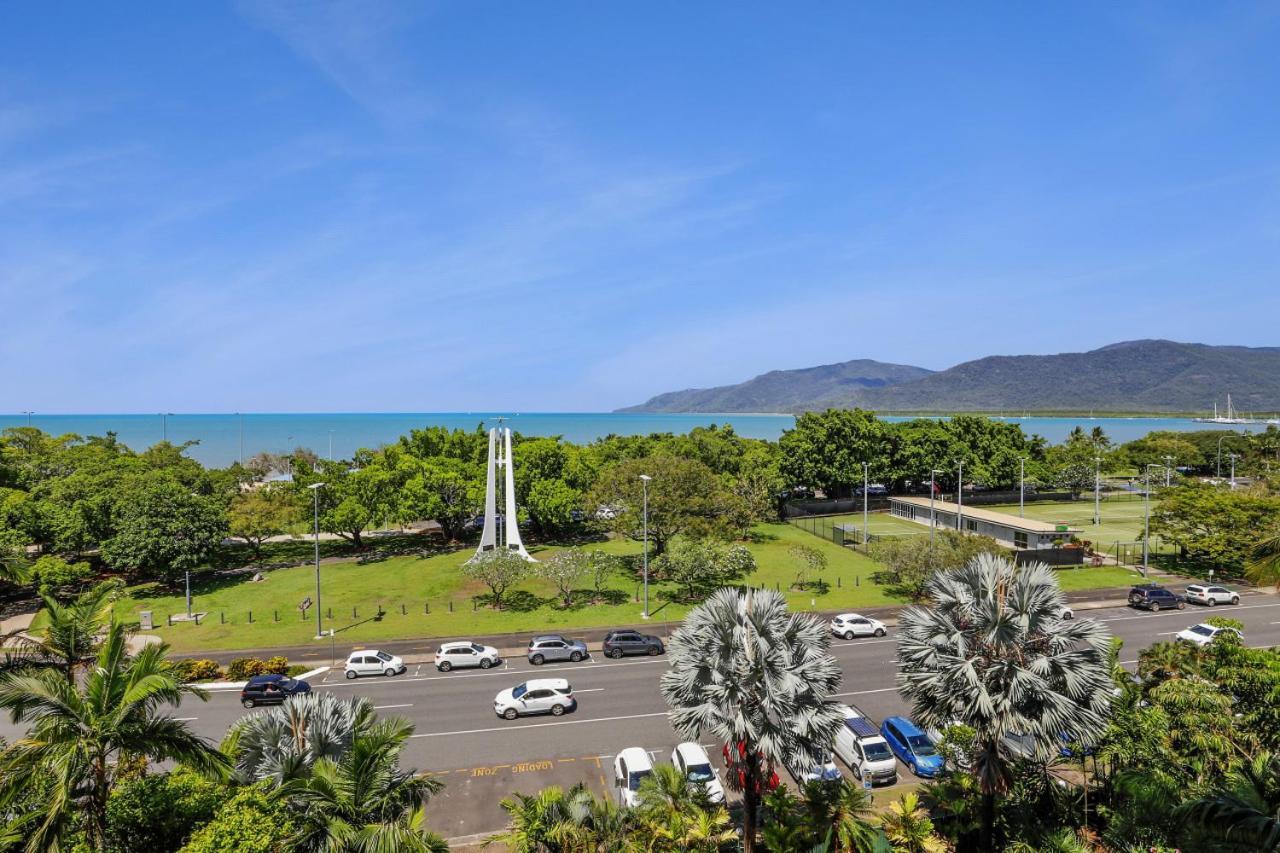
(215, 686)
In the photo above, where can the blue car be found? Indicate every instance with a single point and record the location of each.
(912, 746)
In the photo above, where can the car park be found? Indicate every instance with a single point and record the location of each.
(628, 642)
(860, 745)
(553, 647)
(271, 690)
(824, 770)
(372, 662)
(551, 696)
(850, 625)
(912, 746)
(630, 768)
(695, 765)
(1211, 595)
(1204, 633)
(466, 654)
(1155, 598)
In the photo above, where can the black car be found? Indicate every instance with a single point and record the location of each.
(619, 643)
(271, 690)
(1155, 598)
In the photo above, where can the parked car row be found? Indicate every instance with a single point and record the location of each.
(633, 765)
(1154, 597)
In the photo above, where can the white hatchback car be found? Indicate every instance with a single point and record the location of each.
(850, 625)
(1203, 593)
(629, 769)
(551, 696)
(1204, 634)
(373, 662)
(464, 654)
(694, 764)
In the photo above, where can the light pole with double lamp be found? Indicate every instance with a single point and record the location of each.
(1022, 486)
(315, 494)
(644, 479)
(933, 516)
(960, 493)
(865, 481)
(1097, 490)
(1146, 522)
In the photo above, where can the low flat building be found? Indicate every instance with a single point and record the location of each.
(1011, 531)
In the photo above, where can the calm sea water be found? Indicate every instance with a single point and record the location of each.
(223, 437)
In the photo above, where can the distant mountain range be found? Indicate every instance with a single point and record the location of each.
(1133, 376)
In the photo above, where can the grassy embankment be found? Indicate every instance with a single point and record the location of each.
(437, 580)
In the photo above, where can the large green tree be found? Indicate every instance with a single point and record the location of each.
(258, 514)
(825, 450)
(1213, 525)
(164, 529)
(685, 497)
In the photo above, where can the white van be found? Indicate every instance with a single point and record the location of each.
(859, 744)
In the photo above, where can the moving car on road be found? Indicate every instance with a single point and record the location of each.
(466, 654)
(912, 746)
(271, 690)
(551, 696)
(373, 662)
(859, 744)
(693, 762)
(628, 642)
(629, 770)
(850, 625)
(555, 647)
(1155, 598)
(1204, 634)
(1203, 593)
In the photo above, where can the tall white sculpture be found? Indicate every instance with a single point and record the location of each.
(509, 537)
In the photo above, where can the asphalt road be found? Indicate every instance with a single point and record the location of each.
(482, 757)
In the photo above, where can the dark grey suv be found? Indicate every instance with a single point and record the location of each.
(555, 647)
(619, 643)
(1155, 598)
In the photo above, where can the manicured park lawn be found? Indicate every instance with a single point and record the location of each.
(352, 592)
(1122, 520)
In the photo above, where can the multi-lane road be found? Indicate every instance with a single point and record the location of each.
(482, 757)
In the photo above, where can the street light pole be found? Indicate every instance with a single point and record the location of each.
(315, 494)
(28, 414)
(865, 480)
(240, 415)
(1097, 490)
(1168, 470)
(960, 494)
(330, 445)
(644, 479)
(1022, 486)
(933, 517)
(1219, 471)
(1146, 518)
(1233, 457)
(188, 574)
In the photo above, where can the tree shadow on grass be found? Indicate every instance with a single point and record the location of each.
(518, 601)
(584, 598)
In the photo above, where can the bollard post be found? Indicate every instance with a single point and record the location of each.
(451, 605)
(857, 580)
(353, 613)
(275, 615)
(329, 612)
(169, 618)
(197, 617)
(837, 581)
(222, 616)
(426, 608)
(250, 617)
(474, 606)
(403, 612)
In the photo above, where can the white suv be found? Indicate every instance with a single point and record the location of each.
(373, 662)
(1202, 593)
(1204, 634)
(850, 625)
(551, 696)
(454, 655)
(629, 770)
(694, 764)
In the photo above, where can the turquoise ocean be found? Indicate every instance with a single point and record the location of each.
(224, 438)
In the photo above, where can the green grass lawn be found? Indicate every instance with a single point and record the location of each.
(878, 524)
(354, 590)
(1122, 520)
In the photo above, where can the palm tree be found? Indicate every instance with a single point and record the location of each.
(1264, 567)
(284, 742)
(992, 653)
(363, 802)
(79, 734)
(677, 813)
(1246, 815)
(846, 809)
(1061, 841)
(542, 821)
(744, 670)
(72, 631)
(909, 829)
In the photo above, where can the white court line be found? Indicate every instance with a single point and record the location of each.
(541, 725)
(385, 707)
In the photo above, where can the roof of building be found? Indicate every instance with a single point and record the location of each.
(1004, 519)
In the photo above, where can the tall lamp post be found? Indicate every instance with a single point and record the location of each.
(164, 425)
(1146, 517)
(240, 417)
(960, 493)
(644, 479)
(1219, 469)
(28, 414)
(315, 494)
(865, 481)
(1022, 486)
(933, 518)
(1168, 470)
(1097, 490)
(1233, 457)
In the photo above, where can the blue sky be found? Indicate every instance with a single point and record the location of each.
(561, 206)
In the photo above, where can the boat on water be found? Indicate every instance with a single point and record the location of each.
(1231, 417)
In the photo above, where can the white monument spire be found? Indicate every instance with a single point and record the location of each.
(509, 535)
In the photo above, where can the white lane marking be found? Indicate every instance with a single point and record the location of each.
(591, 690)
(863, 692)
(184, 719)
(1173, 612)
(417, 669)
(491, 674)
(542, 725)
(385, 707)
(863, 642)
